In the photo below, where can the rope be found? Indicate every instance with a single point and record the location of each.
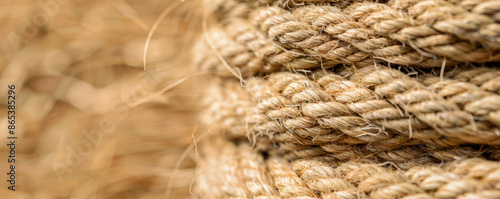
(228, 170)
(241, 172)
(239, 57)
(259, 110)
(352, 99)
(374, 106)
(414, 34)
(301, 29)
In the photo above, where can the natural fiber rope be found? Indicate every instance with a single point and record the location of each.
(227, 105)
(288, 31)
(361, 29)
(332, 133)
(375, 106)
(470, 178)
(323, 36)
(225, 9)
(239, 57)
(228, 170)
(487, 79)
(297, 138)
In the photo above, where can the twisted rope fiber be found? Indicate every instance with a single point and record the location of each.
(340, 151)
(239, 30)
(290, 56)
(486, 78)
(340, 25)
(225, 9)
(471, 178)
(340, 147)
(226, 107)
(298, 3)
(360, 101)
(466, 75)
(253, 54)
(300, 29)
(227, 170)
(287, 30)
(270, 57)
(404, 158)
(482, 104)
(329, 133)
(466, 23)
(441, 114)
(440, 15)
(486, 7)
(239, 57)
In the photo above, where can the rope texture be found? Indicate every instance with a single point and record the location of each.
(378, 106)
(236, 171)
(299, 130)
(231, 171)
(351, 99)
(428, 33)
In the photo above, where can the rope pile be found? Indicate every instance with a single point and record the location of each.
(351, 99)
(232, 171)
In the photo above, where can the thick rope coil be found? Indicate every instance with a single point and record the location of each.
(323, 110)
(288, 30)
(305, 178)
(323, 36)
(286, 181)
(249, 53)
(443, 115)
(337, 132)
(434, 26)
(266, 49)
(487, 79)
(342, 28)
(231, 9)
(227, 170)
(316, 103)
(404, 158)
(227, 181)
(481, 104)
(226, 108)
(480, 26)
(303, 36)
(471, 178)
(298, 3)
(250, 121)
(322, 178)
(225, 9)
(241, 60)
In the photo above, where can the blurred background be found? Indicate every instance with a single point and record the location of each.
(91, 121)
